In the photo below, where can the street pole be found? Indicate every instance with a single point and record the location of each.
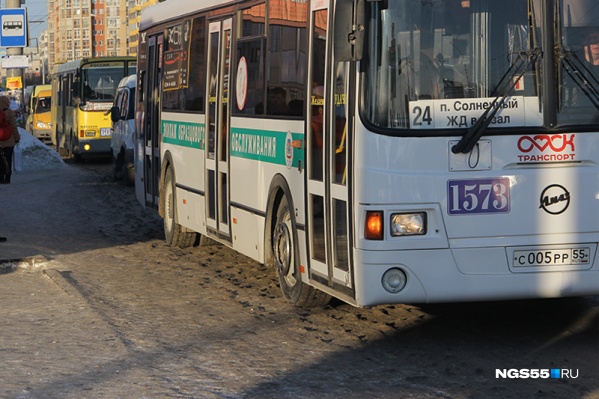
(15, 72)
(37, 46)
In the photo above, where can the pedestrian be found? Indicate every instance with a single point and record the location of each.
(7, 146)
(3, 167)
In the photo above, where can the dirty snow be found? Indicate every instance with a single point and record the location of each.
(37, 155)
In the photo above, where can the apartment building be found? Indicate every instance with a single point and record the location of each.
(92, 28)
(135, 9)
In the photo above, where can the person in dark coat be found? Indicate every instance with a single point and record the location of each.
(7, 146)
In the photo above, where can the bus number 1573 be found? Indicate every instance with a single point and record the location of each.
(474, 196)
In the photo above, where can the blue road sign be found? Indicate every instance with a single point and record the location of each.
(13, 27)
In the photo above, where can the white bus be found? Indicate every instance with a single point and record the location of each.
(392, 151)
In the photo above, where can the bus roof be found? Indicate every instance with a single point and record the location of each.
(74, 65)
(173, 9)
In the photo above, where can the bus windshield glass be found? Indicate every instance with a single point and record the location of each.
(441, 64)
(100, 80)
(578, 72)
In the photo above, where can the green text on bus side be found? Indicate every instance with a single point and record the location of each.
(183, 133)
(265, 146)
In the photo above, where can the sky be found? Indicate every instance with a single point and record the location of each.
(37, 10)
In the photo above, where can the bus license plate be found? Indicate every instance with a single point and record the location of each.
(105, 132)
(552, 257)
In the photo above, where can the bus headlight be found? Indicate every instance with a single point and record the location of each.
(41, 125)
(408, 224)
(394, 280)
(86, 147)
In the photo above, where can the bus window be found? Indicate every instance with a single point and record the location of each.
(287, 45)
(339, 150)
(251, 52)
(317, 98)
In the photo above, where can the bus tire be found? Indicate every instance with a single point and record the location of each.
(128, 174)
(175, 234)
(286, 257)
(117, 170)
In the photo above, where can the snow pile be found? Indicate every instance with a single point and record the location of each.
(37, 155)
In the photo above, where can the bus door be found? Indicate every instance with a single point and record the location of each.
(217, 148)
(328, 144)
(61, 130)
(151, 127)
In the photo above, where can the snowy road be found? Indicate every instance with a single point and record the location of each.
(130, 317)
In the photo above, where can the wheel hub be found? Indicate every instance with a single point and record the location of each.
(282, 248)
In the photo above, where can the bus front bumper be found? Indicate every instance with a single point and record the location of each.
(94, 147)
(437, 276)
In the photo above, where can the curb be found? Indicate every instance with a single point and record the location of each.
(62, 281)
(11, 265)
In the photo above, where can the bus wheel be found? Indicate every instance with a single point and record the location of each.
(117, 170)
(128, 174)
(284, 246)
(175, 234)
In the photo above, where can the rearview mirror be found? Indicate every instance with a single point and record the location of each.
(115, 114)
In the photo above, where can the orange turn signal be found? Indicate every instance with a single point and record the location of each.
(373, 229)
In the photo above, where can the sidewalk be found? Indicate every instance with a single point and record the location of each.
(30, 215)
(52, 345)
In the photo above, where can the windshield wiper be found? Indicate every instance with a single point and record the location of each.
(469, 140)
(582, 76)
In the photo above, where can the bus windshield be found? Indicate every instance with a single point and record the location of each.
(578, 71)
(453, 55)
(100, 80)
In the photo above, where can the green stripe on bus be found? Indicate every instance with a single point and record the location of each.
(185, 134)
(259, 145)
(266, 146)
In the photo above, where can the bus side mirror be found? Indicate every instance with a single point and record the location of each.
(349, 30)
(115, 114)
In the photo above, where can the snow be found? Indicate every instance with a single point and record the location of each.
(37, 155)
